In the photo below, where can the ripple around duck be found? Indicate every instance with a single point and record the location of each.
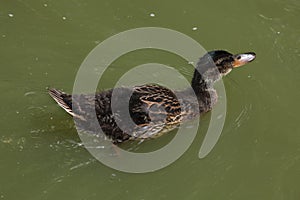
(243, 116)
(244, 113)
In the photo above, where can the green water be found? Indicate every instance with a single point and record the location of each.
(43, 43)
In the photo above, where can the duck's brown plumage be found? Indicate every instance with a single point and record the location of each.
(153, 109)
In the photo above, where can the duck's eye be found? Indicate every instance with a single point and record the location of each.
(239, 57)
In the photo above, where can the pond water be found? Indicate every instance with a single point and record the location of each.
(43, 44)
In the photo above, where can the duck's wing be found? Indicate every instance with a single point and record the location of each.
(155, 109)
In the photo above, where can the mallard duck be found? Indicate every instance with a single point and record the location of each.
(153, 109)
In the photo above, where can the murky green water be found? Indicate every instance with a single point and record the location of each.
(43, 43)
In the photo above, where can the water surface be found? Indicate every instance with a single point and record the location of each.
(43, 44)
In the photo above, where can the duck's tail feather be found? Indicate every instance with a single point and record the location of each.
(62, 99)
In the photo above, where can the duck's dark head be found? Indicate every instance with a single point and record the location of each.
(216, 64)
(226, 61)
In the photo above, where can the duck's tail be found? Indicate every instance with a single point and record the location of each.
(62, 99)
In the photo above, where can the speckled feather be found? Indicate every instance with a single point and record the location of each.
(153, 109)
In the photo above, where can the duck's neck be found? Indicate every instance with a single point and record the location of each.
(203, 88)
(201, 84)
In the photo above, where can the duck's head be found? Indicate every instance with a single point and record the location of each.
(216, 64)
(226, 61)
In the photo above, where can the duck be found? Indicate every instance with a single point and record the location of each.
(153, 109)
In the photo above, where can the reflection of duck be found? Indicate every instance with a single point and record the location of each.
(153, 109)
